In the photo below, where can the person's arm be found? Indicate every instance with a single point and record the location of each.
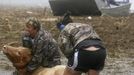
(64, 43)
(26, 40)
(38, 55)
(62, 40)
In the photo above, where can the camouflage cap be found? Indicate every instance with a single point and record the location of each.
(34, 22)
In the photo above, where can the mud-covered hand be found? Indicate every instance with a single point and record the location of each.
(22, 71)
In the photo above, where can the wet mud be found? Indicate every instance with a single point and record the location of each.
(117, 34)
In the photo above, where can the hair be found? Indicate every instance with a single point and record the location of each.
(67, 19)
(63, 22)
(34, 22)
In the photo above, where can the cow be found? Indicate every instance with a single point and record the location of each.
(20, 56)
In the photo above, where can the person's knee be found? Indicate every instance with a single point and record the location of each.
(93, 72)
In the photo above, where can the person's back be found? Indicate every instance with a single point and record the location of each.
(77, 32)
(83, 48)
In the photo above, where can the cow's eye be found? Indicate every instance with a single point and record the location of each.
(18, 53)
(4, 47)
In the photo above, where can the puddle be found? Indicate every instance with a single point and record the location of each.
(5, 72)
(6, 67)
(119, 66)
(114, 66)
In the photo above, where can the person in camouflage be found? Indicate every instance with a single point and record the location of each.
(83, 48)
(44, 48)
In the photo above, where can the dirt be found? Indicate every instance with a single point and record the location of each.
(117, 34)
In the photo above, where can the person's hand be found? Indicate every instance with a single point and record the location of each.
(19, 65)
(25, 33)
(22, 71)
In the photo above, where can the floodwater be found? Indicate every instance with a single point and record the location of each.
(114, 66)
(117, 33)
(6, 67)
(5, 72)
(121, 66)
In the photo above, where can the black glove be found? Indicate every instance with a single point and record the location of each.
(27, 42)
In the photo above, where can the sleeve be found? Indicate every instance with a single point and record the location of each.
(62, 40)
(38, 55)
(64, 43)
(26, 40)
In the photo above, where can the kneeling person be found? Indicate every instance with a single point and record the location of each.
(83, 48)
(44, 49)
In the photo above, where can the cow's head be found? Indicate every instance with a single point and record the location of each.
(19, 56)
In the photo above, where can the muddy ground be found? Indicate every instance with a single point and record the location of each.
(117, 34)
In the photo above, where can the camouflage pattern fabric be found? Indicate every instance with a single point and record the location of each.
(74, 33)
(45, 51)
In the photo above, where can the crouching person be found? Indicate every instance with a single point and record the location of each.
(44, 49)
(83, 48)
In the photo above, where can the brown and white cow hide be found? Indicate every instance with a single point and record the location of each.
(20, 56)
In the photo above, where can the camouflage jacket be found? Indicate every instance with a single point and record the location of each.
(45, 51)
(74, 33)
